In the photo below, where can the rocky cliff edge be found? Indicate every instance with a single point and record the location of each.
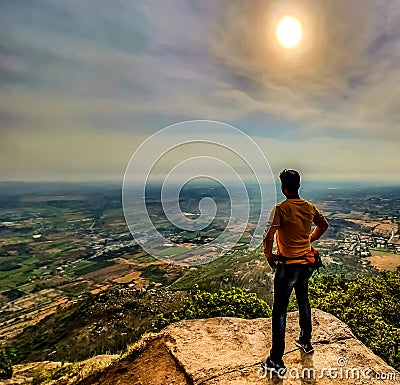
(229, 351)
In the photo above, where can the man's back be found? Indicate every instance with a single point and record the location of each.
(292, 220)
(296, 219)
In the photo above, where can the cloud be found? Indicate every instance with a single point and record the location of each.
(343, 76)
(72, 155)
(96, 71)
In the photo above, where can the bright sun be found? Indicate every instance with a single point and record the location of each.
(289, 32)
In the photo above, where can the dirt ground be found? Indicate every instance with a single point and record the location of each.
(154, 365)
(385, 262)
(109, 273)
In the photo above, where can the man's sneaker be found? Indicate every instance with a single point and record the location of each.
(307, 347)
(279, 366)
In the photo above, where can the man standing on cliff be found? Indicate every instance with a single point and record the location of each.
(292, 221)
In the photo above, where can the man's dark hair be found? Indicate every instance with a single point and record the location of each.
(290, 179)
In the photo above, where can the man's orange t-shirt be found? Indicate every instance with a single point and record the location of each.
(292, 221)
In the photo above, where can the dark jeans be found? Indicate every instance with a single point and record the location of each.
(288, 277)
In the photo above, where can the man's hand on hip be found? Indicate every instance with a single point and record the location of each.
(273, 261)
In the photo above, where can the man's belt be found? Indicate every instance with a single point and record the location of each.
(284, 259)
(309, 257)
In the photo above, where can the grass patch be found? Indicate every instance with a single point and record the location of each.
(155, 273)
(14, 278)
(209, 276)
(171, 251)
(143, 258)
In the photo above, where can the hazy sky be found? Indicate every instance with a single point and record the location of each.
(84, 82)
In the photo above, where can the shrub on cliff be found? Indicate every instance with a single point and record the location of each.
(6, 363)
(202, 304)
(369, 305)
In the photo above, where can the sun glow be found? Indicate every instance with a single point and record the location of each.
(289, 32)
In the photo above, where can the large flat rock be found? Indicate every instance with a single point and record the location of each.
(229, 351)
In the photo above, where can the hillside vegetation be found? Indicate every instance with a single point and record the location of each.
(233, 303)
(369, 305)
(109, 321)
(99, 324)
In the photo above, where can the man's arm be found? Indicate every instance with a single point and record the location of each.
(321, 225)
(273, 224)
